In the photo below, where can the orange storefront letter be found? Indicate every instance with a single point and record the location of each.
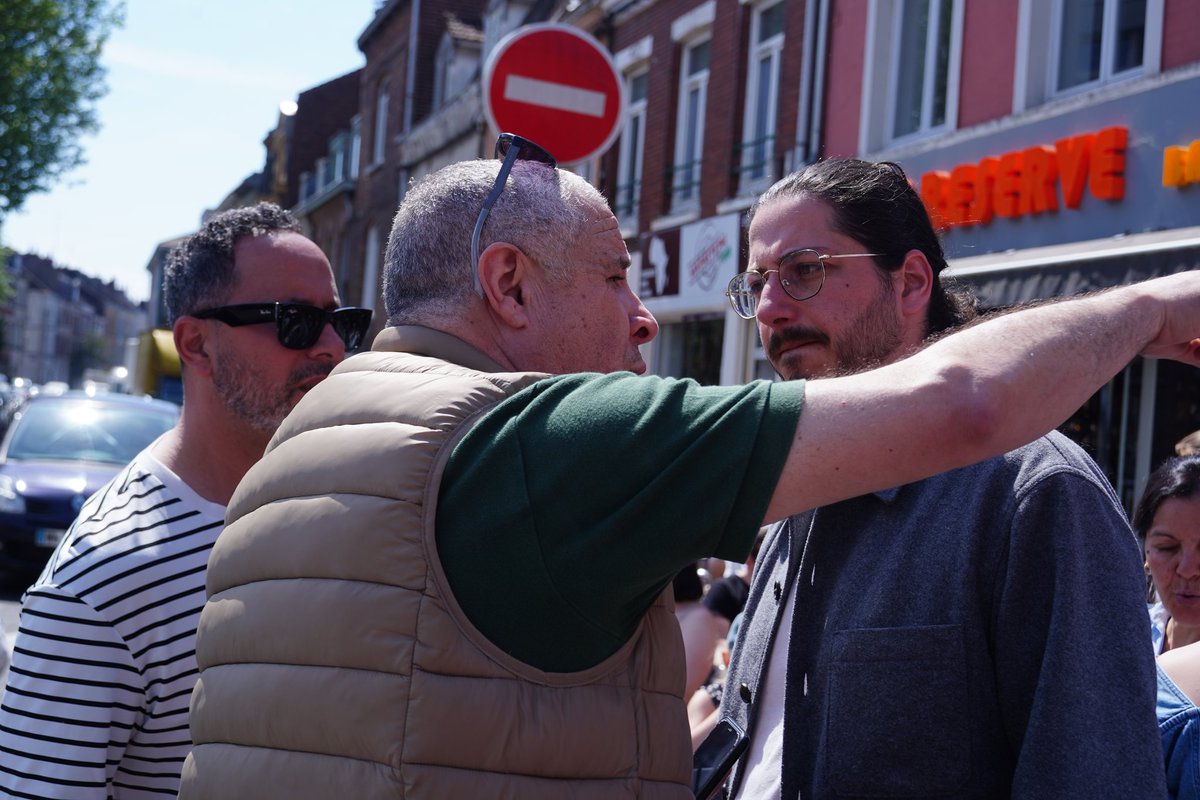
(1007, 191)
(1181, 165)
(1038, 178)
(1175, 166)
(1107, 177)
(1074, 155)
(961, 194)
(934, 190)
(983, 208)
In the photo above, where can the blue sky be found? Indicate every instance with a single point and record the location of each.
(194, 87)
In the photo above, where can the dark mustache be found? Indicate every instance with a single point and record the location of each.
(308, 370)
(797, 333)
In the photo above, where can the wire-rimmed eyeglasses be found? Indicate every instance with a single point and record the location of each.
(801, 274)
(510, 147)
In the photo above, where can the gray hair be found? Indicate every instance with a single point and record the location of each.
(427, 265)
(199, 271)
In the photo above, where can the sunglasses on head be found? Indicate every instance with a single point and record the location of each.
(511, 148)
(297, 325)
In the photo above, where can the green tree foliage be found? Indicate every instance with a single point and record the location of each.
(50, 80)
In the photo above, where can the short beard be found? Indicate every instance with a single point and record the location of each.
(263, 408)
(871, 339)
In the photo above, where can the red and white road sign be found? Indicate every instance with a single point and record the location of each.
(556, 85)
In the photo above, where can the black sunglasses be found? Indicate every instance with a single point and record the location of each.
(297, 325)
(511, 148)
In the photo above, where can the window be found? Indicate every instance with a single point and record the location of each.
(370, 285)
(910, 70)
(691, 348)
(689, 126)
(924, 66)
(586, 169)
(757, 149)
(441, 70)
(633, 141)
(1098, 40)
(381, 114)
(340, 152)
(355, 144)
(1065, 47)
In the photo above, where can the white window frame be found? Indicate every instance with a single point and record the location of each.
(631, 159)
(588, 170)
(1039, 32)
(373, 257)
(355, 144)
(773, 49)
(880, 75)
(689, 84)
(1107, 47)
(382, 100)
(441, 70)
(632, 62)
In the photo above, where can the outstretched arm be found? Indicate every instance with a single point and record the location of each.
(980, 392)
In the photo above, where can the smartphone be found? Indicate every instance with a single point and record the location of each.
(714, 759)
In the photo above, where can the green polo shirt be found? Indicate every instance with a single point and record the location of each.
(569, 507)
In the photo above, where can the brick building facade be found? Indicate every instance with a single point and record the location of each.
(726, 96)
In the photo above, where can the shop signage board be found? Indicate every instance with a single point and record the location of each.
(558, 86)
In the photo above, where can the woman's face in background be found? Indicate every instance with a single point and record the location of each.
(1173, 557)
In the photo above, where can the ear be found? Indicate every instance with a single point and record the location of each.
(192, 344)
(916, 277)
(504, 273)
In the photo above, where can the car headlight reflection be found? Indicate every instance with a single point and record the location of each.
(11, 500)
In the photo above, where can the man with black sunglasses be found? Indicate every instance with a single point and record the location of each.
(449, 576)
(97, 699)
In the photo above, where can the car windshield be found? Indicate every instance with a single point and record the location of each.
(86, 430)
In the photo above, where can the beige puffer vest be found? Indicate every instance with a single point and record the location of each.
(335, 661)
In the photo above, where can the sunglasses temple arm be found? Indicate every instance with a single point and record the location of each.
(501, 177)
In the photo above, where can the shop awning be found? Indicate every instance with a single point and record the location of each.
(1019, 276)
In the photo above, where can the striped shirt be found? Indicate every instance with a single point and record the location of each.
(105, 658)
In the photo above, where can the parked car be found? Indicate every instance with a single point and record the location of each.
(59, 450)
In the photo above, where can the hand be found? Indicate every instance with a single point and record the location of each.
(1178, 297)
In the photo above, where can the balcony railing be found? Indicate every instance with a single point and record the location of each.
(685, 181)
(625, 200)
(755, 163)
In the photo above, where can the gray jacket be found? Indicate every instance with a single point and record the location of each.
(981, 633)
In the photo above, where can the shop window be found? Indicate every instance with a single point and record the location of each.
(633, 140)
(691, 348)
(755, 158)
(1105, 427)
(689, 127)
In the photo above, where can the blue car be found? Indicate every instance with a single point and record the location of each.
(57, 452)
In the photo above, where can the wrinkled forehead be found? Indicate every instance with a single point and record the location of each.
(603, 228)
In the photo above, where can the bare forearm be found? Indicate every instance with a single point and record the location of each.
(978, 393)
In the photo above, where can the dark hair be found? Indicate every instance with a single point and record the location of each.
(874, 204)
(1177, 477)
(687, 584)
(199, 271)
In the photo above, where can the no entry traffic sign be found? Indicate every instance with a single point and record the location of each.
(556, 85)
